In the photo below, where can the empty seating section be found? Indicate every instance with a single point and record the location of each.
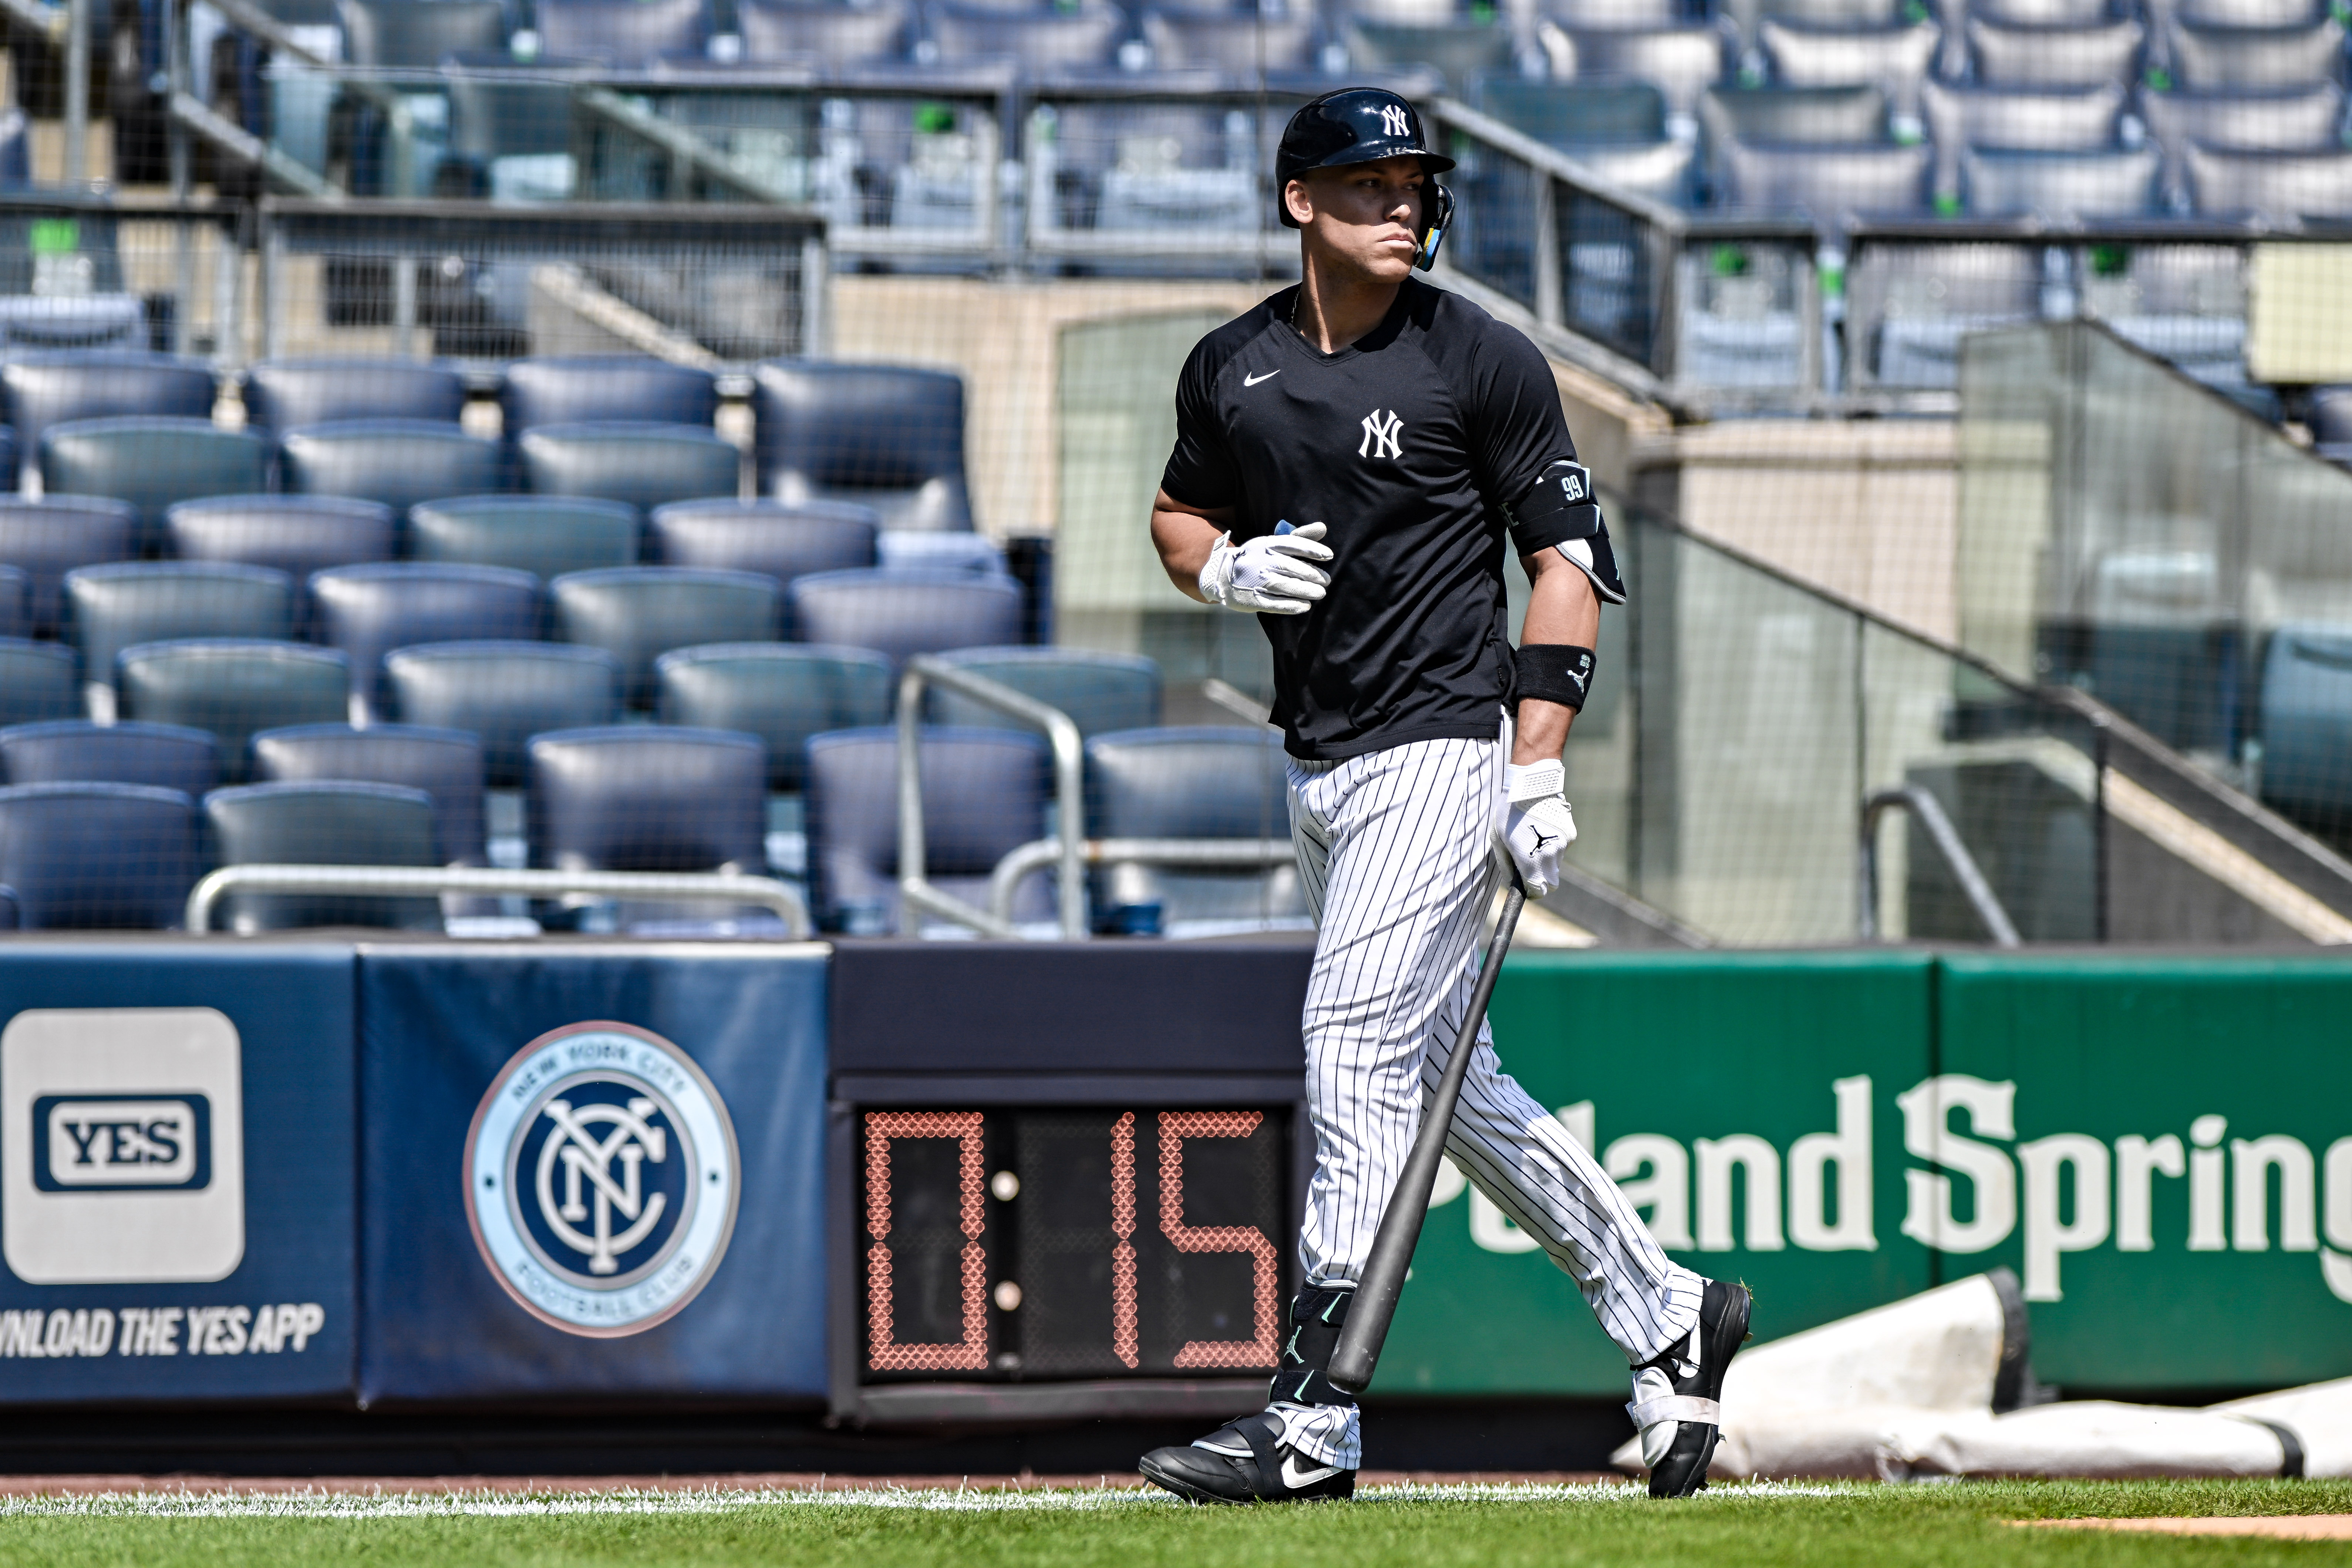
(783, 540)
(47, 538)
(338, 822)
(544, 535)
(109, 608)
(781, 692)
(286, 394)
(75, 751)
(638, 613)
(642, 464)
(108, 856)
(1190, 783)
(369, 611)
(446, 765)
(596, 388)
(640, 798)
(152, 462)
(902, 614)
(985, 794)
(232, 687)
(879, 436)
(503, 693)
(398, 462)
(297, 534)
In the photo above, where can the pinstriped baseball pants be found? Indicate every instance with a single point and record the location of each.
(1394, 848)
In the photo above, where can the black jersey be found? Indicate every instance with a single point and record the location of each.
(1408, 445)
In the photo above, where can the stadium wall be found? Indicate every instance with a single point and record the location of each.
(282, 1137)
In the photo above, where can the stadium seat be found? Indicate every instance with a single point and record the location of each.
(2118, 183)
(1832, 14)
(781, 692)
(503, 693)
(322, 823)
(625, 34)
(544, 535)
(367, 611)
(592, 388)
(2275, 184)
(1826, 181)
(2303, 120)
(75, 751)
(2043, 12)
(1036, 41)
(1124, 165)
(232, 687)
(901, 614)
(2330, 420)
(1808, 116)
(398, 462)
(2016, 120)
(2240, 12)
(1458, 49)
(1099, 691)
(1681, 62)
(784, 542)
(2306, 723)
(285, 395)
(16, 603)
(1188, 782)
(638, 612)
(297, 534)
(57, 388)
(643, 465)
(106, 856)
(49, 537)
(109, 608)
(985, 794)
(650, 798)
(1617, 16)
(151, 463)
(37, 681)
(1571, 115)
(2054, 57)
(1237, 43)
(446, 765)
(1965, 288)
(2241, 59)
(883, 435)
(419, 34)
(1895, 60)
(835, 36)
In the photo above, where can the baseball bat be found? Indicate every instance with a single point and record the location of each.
(1366, 1326)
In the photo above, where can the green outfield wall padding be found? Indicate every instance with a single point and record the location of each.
(1748, 1101)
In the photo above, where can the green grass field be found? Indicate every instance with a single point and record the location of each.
(1731, 1527)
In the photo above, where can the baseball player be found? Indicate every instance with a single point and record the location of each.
(1349, 456)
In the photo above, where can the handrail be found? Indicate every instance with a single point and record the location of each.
(1930, 813)
(1069, 777)
(1246, 854)
(426, 880)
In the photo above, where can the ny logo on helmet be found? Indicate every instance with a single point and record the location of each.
(1392, 120)
(1382, 436)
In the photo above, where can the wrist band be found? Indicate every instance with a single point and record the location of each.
(1552, 672)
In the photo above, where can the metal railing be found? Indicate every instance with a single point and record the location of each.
(1928, 812)
(1198, 853)
(397, 881)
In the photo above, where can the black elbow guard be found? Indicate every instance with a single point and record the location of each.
(1562, 506)
(1552, 672)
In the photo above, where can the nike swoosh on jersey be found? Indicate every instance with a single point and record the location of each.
(1253, 380)
(1294, 1478)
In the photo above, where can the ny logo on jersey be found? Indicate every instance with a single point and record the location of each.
(1382, 436)
(1392, 120)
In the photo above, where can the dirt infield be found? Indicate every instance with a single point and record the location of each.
(2283, 1527)
(803, 1481)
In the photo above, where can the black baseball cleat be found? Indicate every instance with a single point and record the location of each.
(1246, 1461)
(1678, 1393)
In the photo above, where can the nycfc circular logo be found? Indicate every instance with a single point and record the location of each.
(601, 1179)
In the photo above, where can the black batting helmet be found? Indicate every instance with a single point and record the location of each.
(1353, 125)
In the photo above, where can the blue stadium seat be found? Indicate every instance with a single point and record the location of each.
(1099, 691)
(49, 537)
(367, 611)
(398, 462)
(2278, 185)
(109, 608)
(1459, 50)
(626, 34)
(784, 542)
(105, 856)
(75, 751)
(1828, 183)
(419, 34)
(324, 822)
(836, 37)
(626, 460)
(985, 794)
(16, 603)
(1682, 60)
(446, 765)
(2055, 56)
(650, 798)
(781, 692)
(2122, 182)
(638, 612)
(901, 614)
(151, 463)
(2258, 59)
(37, 681)
(2307, 724)
(592, 388)
(233, 687)
(885, 435)
(287, 394)
(54, 388)
(503, 693)
(1191, 783)
(544, 535)
(1894, 60)
(1036, 41)
(1240, 42)
(297, 534)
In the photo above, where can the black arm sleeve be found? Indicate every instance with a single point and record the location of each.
(1521, 439)
(1200, 471)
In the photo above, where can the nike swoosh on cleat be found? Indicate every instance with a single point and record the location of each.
(1294, 1478)
(1253, 380)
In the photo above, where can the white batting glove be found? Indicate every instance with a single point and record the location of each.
(1270, 574)
(1540, 823)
